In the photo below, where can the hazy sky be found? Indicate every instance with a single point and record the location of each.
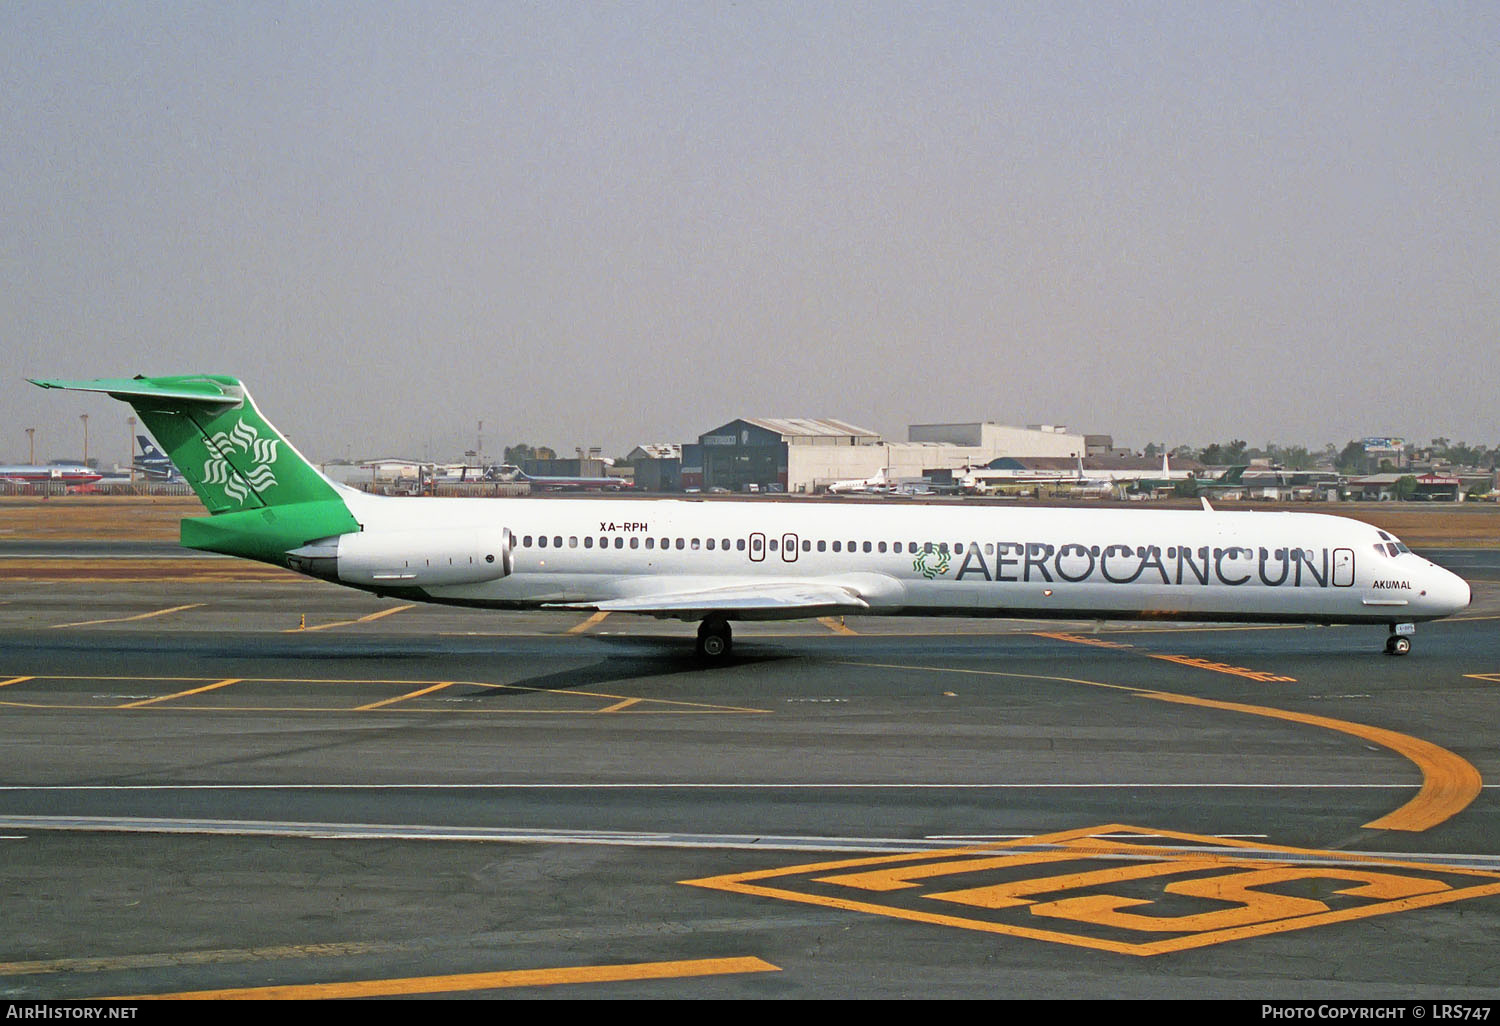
(602, 224)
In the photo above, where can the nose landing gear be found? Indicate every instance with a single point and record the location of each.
(715, 640)
(1399, 642)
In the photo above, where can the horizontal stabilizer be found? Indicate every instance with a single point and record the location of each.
(209, 391)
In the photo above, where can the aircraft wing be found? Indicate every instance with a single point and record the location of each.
(772, 600)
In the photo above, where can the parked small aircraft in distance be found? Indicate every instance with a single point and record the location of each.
(70, 474)
(876, 482)
(715, 562)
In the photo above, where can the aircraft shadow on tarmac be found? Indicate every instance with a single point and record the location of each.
(483, 660)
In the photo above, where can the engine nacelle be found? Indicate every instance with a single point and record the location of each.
(409, 558)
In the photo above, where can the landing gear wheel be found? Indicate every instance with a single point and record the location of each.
(715, 640)
(1397, 645)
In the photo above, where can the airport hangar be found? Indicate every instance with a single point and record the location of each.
(804, 455)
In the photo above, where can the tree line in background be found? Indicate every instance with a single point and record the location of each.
(1348, 460)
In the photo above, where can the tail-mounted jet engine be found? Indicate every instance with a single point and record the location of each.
(411, 558)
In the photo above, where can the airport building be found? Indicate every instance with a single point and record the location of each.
(805, 455)
(658, 466)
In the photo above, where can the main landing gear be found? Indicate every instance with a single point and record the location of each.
(1399, 643)
(715, 640)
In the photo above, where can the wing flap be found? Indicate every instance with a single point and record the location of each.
(773, 600)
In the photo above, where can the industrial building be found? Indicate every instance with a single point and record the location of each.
(658, 466)
(807, 455)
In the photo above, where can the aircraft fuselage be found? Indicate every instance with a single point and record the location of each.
(925, 560)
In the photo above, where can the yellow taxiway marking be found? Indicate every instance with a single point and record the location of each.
(1093, 889)
(837, 625)
(351, 623)
(127, 619)
(618, 703)
(597, 618)
(1078, 639)
(1263, 676)
(475, 981)
(620, 706)
(440, 685)
(181, 694)
(1450, 783)
(1488, 678)
(13, 680)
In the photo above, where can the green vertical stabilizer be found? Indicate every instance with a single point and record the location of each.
(264, 496)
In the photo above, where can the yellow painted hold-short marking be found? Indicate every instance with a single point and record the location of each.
(592, 621)
(475, 981)
(127, 619)
(181, 694)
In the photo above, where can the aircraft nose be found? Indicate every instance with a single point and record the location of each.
(1450, 593)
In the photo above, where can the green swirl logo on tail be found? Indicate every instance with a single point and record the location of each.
(242, 437)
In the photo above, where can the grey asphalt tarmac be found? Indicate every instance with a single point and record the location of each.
(210, 785)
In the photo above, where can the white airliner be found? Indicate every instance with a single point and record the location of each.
(715, 562)
(877, 482)
(70, 474)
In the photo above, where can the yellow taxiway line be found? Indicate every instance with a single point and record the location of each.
(351, 623)
(1450, 783)
(127, 619)
(837, 625)
(440, 685)
(597, 618)
(181, 694)
(474, 981)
